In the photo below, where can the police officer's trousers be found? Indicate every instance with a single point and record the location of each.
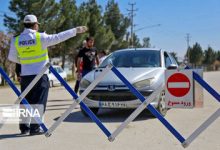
(37, 95)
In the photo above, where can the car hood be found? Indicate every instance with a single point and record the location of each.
(131, 74)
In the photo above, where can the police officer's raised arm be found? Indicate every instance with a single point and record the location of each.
(49, 40)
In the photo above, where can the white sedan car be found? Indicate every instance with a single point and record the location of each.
(53, 80)
(144, 69)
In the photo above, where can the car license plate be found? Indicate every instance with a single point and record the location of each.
(112, 104)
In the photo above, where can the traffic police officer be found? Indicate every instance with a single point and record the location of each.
(30, 50)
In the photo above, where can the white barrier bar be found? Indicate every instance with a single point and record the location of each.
(202, 127)
(61, 118)
(31, 85)
(80, 98)
(135, 113)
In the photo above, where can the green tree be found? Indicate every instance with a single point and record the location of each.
(101, 32)
(4, 49)
(68, 17)
(146, 42)
(196, 55)
(46, 11)
(209, 56)
(103, 38)
(136, 41)
(117, 21)
(94, 15)
(54, 17)
(218, 55)
(187, 54)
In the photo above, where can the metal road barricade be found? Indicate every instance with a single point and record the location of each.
(21, 96)
(79, 100)
(183, 141)
(145, 104)
(211, 119)
(139, 110)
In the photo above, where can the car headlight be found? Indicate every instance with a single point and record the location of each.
(84, 83)
(143, 83)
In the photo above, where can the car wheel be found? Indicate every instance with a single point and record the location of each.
(161, 104)
(94, 110)
(51, 83)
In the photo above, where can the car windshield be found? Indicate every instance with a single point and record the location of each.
(133, 58)
(58, 69)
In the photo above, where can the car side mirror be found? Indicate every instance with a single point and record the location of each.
(172, 66)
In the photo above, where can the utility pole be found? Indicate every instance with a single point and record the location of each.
(131, 12)
(187, 41)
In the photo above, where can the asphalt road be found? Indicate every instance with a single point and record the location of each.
(145, 132)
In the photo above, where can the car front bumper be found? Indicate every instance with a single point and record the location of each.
(118, 99)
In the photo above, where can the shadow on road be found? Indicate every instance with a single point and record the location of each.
(107, 116)
(60, 100)
(11, 136)
(58, 104)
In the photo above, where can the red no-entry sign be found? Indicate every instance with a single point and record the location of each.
(179, 89)
(178, 84)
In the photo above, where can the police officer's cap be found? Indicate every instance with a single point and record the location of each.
(30, 19)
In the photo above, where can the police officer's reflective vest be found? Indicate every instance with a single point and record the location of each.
(30, 52)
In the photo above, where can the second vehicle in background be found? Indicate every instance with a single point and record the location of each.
(53, 80)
